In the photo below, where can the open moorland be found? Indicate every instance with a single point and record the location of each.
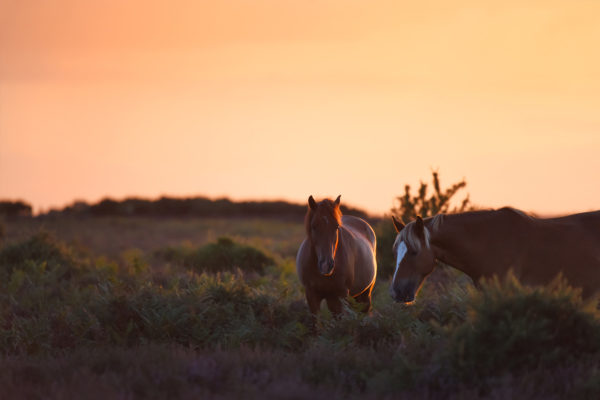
(138, 307)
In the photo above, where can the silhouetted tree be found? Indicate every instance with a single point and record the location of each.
(408, 207)
(439, 202)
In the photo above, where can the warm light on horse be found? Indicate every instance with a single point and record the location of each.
(414, 260)
(337, 258)
(490, 242)
(324, 237)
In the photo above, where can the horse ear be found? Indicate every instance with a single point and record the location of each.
(420, 227)
(397, 224)
(337, 201)
(311, 203)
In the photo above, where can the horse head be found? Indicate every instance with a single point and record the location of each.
(323, 221)
(414, 259)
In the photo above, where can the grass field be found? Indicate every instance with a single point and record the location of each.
(159, 308)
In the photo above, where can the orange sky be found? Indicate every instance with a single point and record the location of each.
(282, 99)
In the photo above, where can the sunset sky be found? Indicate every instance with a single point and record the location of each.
(280, 99)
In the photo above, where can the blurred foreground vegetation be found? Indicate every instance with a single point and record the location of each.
(226, 318)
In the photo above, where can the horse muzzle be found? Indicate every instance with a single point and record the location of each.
(326, 267)
(404, 293)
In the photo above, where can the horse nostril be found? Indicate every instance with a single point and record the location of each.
(402, 295)
(326, 267)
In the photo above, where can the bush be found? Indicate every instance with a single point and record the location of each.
(40, 249)
(512, 328)
(224, 255)
(355, 329)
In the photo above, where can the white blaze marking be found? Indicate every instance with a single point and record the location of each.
(400, 255)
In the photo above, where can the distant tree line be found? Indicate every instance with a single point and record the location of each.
(191, 207)
(14, 208)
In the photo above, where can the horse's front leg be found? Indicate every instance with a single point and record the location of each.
(334, 304)
(314, 302)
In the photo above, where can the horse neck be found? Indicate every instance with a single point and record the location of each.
(344, 241)
(452, 242)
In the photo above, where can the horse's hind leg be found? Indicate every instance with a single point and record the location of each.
(365, 300)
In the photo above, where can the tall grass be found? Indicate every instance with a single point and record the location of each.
(70, 322)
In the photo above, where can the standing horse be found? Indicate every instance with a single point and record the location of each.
(487, 243)
(337, 258)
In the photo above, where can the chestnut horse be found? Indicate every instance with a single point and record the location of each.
(337, 258)
(487, 243)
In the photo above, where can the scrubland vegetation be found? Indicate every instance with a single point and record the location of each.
(170, 324)
(134, 307)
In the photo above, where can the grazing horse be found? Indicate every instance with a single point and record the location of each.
(337, 258)
(487, 243)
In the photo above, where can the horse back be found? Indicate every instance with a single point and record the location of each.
(588, 222)
(583, 227)
(360, 227)
(572, 244)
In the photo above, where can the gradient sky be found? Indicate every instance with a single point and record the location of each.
(282, 99)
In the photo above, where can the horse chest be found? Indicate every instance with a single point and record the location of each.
(332, 285)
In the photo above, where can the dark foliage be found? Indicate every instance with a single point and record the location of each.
(41, 249)
(439, 202)
(196, 207)
(512, 328)
(128, 330)
(15, 209)
(224, 255)
(408, 208)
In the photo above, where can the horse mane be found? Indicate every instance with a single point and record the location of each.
(409, 236)
(326, 207)
(436, 222)
(433, 224)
